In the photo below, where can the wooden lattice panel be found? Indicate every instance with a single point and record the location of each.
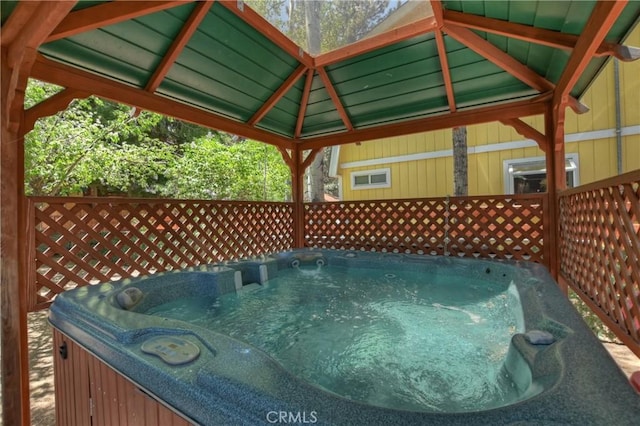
(510, 227)
(600, 249)
(88, 241)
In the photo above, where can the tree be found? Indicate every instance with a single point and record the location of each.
(460, 174)
(102, 148)
(210, 168)
(92, 142)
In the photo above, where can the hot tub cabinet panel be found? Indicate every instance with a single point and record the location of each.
(105, 374)
(89, 392)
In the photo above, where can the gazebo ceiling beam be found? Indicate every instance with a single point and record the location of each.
(602, 18)
(277, 95)
(405, 32)
(328, 85)
(517, 109)
(535, 35)
(50, 106)
(436, 6)
(255, 20)
(506, 62)
(181, 40)
(66, 76)
(527, 131)
(302, 110)
(99, 16)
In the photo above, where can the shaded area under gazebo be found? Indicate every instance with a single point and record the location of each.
(587, 237)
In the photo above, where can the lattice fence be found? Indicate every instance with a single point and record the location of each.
(74, 243)
(510, 227)
(600, 250)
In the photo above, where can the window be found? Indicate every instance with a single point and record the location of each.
(527, 175)
(369, 179)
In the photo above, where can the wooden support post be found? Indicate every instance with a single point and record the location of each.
(556, 181)
(297, 189)
(25, 29)
(15, 357)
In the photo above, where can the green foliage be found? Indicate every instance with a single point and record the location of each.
(92, 142)
(99, 145)
(210, 168)
(595, 324)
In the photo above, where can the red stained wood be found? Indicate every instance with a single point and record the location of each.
(526, 33)
(365, 45)
(501, 227)
(88, 392)
(107, 14)
(277, 95)
(82, 241)
(181, 40)
(303, 102)
(328, 85)
(53, 72)
(458, 118)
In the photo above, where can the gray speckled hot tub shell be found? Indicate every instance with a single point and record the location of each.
(573, 380)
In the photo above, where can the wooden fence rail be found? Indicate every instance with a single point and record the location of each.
(79, 241)
(600, 251)
(502, 227)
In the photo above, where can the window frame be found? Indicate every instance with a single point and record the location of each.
(509, 182)
(387, 184)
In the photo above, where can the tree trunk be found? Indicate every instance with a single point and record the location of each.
(314, 40)
(460, 179)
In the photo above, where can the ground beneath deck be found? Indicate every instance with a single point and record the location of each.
(41, 365)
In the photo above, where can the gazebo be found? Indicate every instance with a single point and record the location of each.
(221, 65)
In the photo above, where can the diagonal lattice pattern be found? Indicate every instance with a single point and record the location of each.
(600, 249)
(75, 243)
(510, 227)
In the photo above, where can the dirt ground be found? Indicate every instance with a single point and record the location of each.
(41, 364)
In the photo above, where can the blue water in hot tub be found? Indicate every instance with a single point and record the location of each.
(405, 340)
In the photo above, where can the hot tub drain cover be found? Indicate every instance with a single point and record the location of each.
(172, 350)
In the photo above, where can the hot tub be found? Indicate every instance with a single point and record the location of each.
(335, 337)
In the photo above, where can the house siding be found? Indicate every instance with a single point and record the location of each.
(416, 176)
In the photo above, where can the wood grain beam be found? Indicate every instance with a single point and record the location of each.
(328, 85)
(310, 157)
(603, 16)
(438, 12)
(531, 34)
(459, 118)
(50, 106)
(105, 14)
(446, 74)
(303, 103)
(181, 40)
(414, 29)
(54, 72)
(528, 132)
(277, 95)
(502, 59)
(505, 61)
(263, 26)
(22, 34)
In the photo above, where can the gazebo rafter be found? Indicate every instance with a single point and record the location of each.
(245, 79)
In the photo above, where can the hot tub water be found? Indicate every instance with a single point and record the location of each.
(406, 340)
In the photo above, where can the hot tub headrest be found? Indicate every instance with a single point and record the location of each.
(129, 297)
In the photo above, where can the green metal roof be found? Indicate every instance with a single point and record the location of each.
(231, 69)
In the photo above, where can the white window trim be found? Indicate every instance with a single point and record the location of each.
(508, 175)
(387, 184)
